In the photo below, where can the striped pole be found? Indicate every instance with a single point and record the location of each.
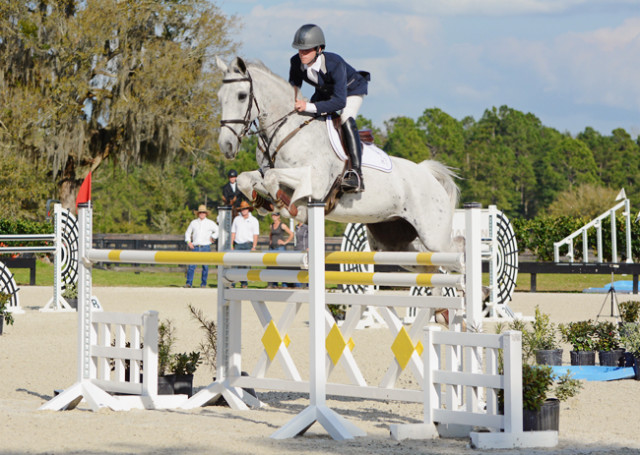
(28, 238)
(394, 258)
(234, 259)
(354, 278)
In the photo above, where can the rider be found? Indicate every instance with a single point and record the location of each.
(338, 86)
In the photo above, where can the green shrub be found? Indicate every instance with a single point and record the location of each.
(580, 335)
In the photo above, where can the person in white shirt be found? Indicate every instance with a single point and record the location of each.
(200, 234)
(245, 230)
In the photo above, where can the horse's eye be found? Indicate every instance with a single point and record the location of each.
(242, 96)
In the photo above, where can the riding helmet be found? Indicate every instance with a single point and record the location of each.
(309, 36)
(232, 173)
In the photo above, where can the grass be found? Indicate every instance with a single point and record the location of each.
(164, 277)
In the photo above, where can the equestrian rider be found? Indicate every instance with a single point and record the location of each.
(338, 86)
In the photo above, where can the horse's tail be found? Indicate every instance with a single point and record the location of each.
(445, 175)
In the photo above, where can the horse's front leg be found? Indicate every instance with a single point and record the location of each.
(297, 178)
(251, 184)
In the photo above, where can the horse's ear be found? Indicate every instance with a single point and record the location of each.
(221, 64)
(240, 64)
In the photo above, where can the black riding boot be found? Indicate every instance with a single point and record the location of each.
(352, 179)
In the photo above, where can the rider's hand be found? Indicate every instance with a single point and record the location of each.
(301, 105)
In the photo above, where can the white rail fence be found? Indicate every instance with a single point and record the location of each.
(462, 369)
(597, 225)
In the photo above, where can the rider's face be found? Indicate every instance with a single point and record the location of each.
(307, 55)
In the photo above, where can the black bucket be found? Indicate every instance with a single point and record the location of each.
(545, 419)
(583, 357)
(549, 357)
(613, 358)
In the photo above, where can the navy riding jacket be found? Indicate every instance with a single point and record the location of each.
(336, 80)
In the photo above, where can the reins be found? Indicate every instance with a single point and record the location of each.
(261, 131)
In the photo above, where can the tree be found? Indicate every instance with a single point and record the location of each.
(586, 200)
(406, 140)
(444, 136)
(84, 81)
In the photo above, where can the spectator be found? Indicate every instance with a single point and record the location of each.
(200, 234)
(302, 241)
(277, 242)
(244, 231)
(231, 195)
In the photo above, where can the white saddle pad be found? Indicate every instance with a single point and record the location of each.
(372, 156)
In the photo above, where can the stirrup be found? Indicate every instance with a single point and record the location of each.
(352, 182)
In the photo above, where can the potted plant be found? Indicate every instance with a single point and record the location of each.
(630, 340)
(608, 344)
(581, 336)
(183, 366)
(175, 371)
(5, 315)
(541, 340)
(629, 311)
(70, 294)
(209, 347)
(542, 393)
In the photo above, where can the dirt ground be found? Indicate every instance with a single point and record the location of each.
(38, 354)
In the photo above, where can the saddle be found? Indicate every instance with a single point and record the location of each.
(335, 192)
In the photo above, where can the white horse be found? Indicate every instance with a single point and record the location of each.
(408, 209)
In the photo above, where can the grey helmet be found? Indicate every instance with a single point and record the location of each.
(309, 36)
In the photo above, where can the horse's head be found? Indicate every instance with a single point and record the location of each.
(239, 108)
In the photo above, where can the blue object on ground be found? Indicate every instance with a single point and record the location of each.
(595, 373)
(623, 286)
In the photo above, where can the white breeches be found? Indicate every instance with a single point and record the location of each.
(351, 109)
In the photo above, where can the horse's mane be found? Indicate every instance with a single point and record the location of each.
(258, 65)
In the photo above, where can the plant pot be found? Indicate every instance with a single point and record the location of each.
(636, 368)
(165, 384)
(73, 303)
(629, 359)
(549, 357)
(1, 323)
(183, 384)
(613, 358)
(545, 419)
(583, 357)
(175, 384)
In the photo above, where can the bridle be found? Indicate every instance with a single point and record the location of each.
(246, 121)
(265, 140)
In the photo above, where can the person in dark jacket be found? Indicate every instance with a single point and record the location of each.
(231, 194)
(338, 87)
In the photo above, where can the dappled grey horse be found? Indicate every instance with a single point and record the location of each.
(409, 208)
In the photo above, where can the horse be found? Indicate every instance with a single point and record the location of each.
(409, 208)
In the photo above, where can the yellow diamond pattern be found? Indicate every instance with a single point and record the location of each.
(419, 348)
(335, 344)
(271, 340)
(403, 348)
(351, 344)
(286, 340)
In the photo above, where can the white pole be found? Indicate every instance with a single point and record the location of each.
(224, 244)
(317, 381)
(84, 292)
(599, 240)
(627, 217)
(473, 271)
(614, 240)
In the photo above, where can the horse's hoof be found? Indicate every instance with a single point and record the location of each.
(293, 210)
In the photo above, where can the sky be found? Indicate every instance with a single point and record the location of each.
(571, 63)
